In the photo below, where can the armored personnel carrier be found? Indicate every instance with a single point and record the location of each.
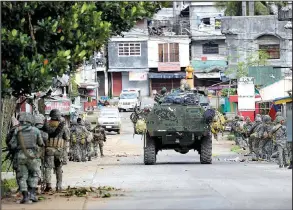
(179, 121)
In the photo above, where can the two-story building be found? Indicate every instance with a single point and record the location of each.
(247, 35)
(168, 49)
(208, 47)
(128, 60)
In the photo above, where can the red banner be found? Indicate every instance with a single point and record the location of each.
(63, 106)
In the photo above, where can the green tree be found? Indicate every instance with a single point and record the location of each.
(41, 40)
(259, 58)
(234, 8)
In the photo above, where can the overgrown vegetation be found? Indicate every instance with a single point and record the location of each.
(235, 148)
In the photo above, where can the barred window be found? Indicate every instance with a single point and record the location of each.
(210, 48)
(273, 50)
(129, 49)
(169, 52)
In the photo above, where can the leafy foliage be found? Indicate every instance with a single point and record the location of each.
(41, 40)
(225, 91)
(258, 58)
(234, 8)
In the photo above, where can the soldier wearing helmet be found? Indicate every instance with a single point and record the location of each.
(89, 140)
(253, 134)
(279, 132)
(247, 126)
(26, 141)
(264, 137)
(239, 131)
(99, 139)
(56, 129)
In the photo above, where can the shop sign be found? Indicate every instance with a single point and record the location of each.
(138, 76)
(169, 66)
(246, 94)
(62, 105)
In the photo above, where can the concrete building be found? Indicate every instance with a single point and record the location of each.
(245, 36)
(128, 60)
(208, 47)
(168, 49)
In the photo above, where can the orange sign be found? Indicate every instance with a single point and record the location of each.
(169, 66)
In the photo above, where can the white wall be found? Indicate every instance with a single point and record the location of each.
(276, 90)
(153, 49)
(142, 85)
(200, 10)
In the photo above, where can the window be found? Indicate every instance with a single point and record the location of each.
(169, 52)
(273, 50)
(206, 21)
(210, 48)
(129, 49)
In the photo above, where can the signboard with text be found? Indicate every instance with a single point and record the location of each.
(138, 76)
(169, 66)
(62, 105)
(246, 94)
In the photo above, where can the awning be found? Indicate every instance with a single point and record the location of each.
(214, 75)
(283, 100)
(178, 75)
(129, 70)
(89, 85)
(209, 65)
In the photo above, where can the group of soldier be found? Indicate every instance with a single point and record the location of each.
(264, 138)
(37, 147)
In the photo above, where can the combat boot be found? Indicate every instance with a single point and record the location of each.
(90, 158)
(25, 198)
(48, 187)
(32, 194)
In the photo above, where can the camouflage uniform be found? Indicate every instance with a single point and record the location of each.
(247, 126)
(89, 141)
(54, 149)
(26, 140)
(39, 123)
(65, 152)
(233, 125)
(159, 96)
(79, 137)
(13, 158)
(99, 139)
(73, 146)
(239, 130)
(279, 131)
(265, 143)
(254, 135)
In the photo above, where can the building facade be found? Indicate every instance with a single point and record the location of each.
(208, 47)
(247, 35)
(128, 60)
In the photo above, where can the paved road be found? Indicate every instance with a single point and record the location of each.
(180, 182)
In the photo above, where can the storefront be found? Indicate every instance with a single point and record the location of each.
(168, 80)
(133, 79)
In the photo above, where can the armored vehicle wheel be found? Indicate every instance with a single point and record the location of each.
(149, 151)
(206, 150)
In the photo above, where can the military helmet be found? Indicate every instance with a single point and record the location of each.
(236, 117)
(258, 115)
(241, 118)
(39, 119)
(55, 114)
(248, 119)
(25, 117)
(257, 119)
(186, 86)
(279, 119)
(163, 90)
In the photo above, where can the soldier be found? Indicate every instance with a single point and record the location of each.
(247, 127)
(89, 141)
(39, 123)
(254, 135)
(233, 125)
(239, 128)
(279, 131)
(66, 145)
(54, 149)
(11, 154)
(289, 147)
(99, 139)
(26, 140)
(161, 95)
(74, 154)
(81, 136)
(264, 137)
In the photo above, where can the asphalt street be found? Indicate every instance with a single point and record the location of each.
(180, 182)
